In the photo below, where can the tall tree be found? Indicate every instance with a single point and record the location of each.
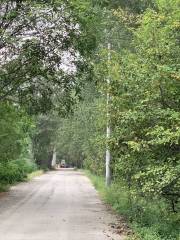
(39, 61)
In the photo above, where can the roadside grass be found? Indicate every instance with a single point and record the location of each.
(11, 178)
(149, 219)
(4, 187)
(34, 174)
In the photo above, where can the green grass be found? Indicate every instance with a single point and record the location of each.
(149, 219)
(4, 187)
(34, 174)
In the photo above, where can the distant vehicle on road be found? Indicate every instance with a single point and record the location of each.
(63, 164)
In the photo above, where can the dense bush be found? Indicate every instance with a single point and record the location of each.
(14, 131)
(146, 104)
(15, 171)
(15, 144)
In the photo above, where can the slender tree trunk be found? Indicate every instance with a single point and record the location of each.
(53, 163)
(108, 131)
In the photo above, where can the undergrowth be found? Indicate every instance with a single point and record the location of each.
(15, 171)
(150, 219)
(4, 187)
(34, 174)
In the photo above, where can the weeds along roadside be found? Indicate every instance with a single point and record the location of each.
(17, 171)
(149, 219)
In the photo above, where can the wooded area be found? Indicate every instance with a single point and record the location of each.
(55, 73)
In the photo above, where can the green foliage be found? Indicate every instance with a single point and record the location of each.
(44, 139)
(15, 126)
(146, 109)
(143, 70)
(149, 219)
(15, 171)
(33, 72)
(15, 145)
(81, 137)
(145, 96)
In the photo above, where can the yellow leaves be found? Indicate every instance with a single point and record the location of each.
(161, 17)
(176, 24)
(175, 76)
(134, 145)
(126, 17)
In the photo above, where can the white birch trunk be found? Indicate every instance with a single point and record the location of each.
(108, 131)
(53, 163)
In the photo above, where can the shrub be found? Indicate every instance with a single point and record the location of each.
(15, 171)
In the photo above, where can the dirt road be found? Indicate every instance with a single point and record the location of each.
(60, 205)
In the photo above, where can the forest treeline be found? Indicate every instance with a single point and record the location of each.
(54, 66)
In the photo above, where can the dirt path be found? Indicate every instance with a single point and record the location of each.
(60, 205)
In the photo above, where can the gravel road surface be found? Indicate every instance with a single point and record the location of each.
(59, 205)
